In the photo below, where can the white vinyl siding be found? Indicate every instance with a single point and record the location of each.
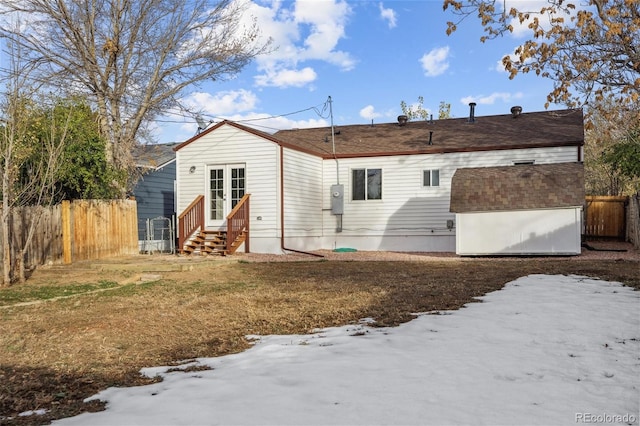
(229, 145)
(407, 207)
(303, 196)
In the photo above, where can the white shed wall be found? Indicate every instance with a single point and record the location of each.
(536, 232)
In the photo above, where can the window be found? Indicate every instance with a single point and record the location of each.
(366, 184)
(431, 178)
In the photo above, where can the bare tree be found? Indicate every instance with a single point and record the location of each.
(134, 58)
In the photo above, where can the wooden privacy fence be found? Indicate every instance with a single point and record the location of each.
(96, 229)
(76, 230)
(605, 217)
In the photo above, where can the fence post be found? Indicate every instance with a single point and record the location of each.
(66, 232)
(633, 220)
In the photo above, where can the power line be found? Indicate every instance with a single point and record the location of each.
(321, 109)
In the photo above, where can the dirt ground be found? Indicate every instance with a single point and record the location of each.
(167, 308)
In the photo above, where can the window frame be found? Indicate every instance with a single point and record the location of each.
(365, 190)
(431, 175)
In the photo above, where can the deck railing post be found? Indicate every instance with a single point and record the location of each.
(190, 220)
(238, 222)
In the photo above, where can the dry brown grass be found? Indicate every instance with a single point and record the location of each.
(55, 354)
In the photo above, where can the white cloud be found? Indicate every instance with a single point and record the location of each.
(388, 15)
(304, 31)
(436, 61)
(327, 21)
(216, 106)
(492, 98)
(221, 103)
(286, 77)
(369, 113)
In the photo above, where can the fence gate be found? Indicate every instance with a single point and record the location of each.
(605, 217)
(158, 235)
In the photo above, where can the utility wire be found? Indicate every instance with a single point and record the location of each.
(322, 110)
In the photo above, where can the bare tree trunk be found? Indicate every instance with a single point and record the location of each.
(6, 206)
(36, 213)
(6, 247)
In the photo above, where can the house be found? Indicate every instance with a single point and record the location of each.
(155, 196)
(369, 187)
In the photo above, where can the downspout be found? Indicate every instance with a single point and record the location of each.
(282, 247)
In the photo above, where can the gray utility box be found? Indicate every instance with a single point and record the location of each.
(337, 199)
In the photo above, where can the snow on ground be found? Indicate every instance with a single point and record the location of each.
(545, 350)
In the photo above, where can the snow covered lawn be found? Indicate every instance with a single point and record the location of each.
(546, 350)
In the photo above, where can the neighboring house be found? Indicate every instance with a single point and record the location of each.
(368, 187)
(155, 196)
(522, 209)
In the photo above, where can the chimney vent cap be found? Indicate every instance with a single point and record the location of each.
(516, 111)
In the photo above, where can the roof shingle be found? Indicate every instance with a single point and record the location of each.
(528, 130)
(521, 187)
(154, 155)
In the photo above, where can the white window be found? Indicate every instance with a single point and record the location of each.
(431, 178)
(366, 184)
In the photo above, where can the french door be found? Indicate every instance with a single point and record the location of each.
(226, 185)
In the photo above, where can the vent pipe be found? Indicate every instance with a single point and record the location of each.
(516, 111)
(472, 114)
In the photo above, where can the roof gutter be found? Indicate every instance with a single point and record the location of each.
(282, 246)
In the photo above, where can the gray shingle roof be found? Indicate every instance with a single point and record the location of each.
(528, 130)
(154, 155)
(521, 187)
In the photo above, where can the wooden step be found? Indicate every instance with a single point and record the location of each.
(207, 242)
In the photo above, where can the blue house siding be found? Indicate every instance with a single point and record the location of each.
(155, 195)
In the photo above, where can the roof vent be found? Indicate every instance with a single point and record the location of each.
(516, 111)
(402, 120)
(472, 114)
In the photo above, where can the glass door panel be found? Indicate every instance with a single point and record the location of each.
(216, 192)
(226, 187)
(237, 185)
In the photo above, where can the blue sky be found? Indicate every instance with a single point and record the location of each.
(368, 56)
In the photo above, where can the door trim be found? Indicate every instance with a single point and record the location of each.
(225, 193)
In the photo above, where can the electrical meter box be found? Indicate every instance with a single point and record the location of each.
(337, 199)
